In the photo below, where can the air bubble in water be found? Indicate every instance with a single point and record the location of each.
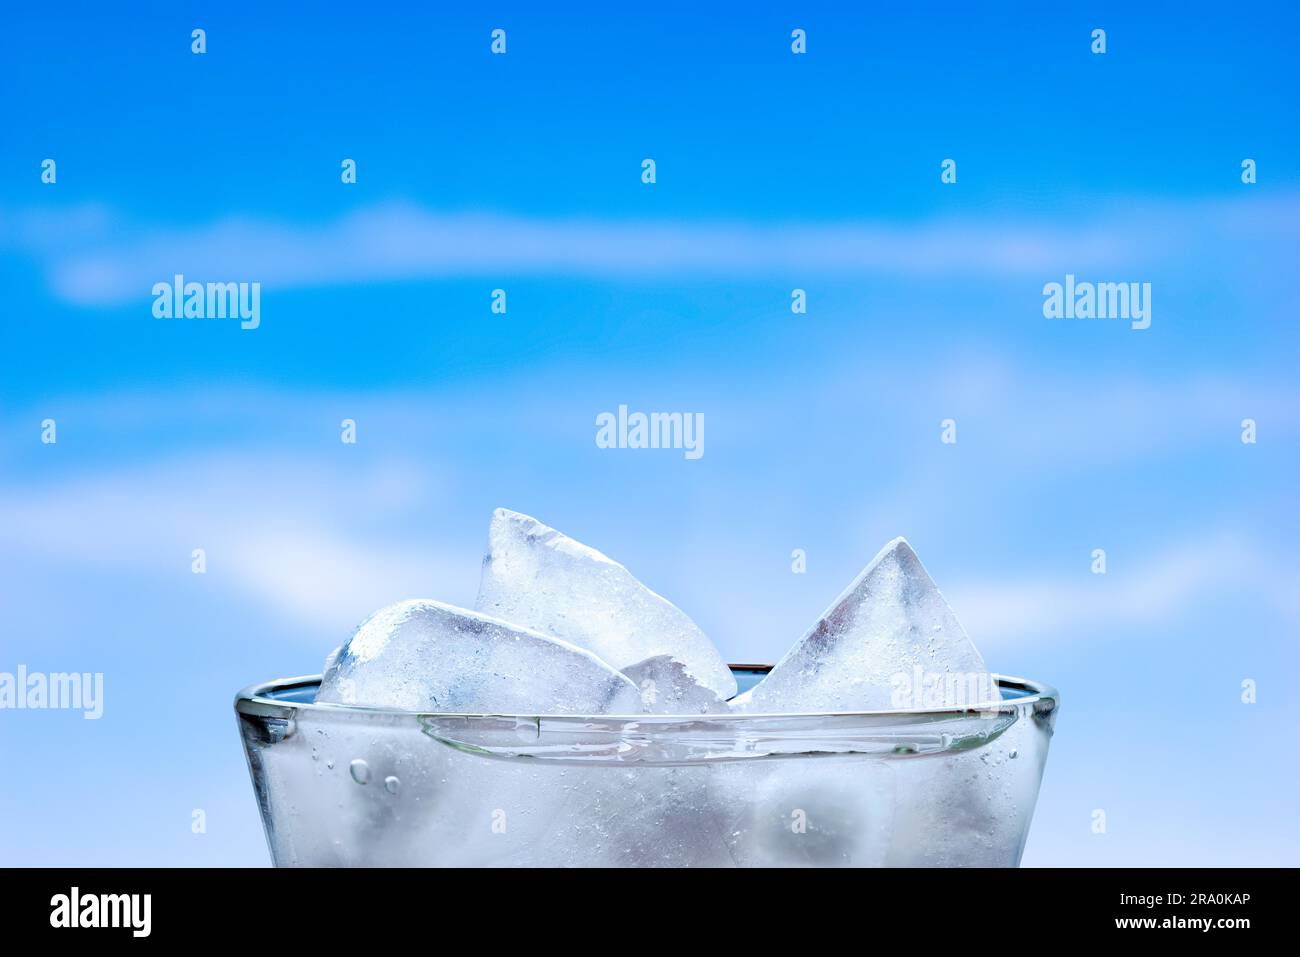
(360, 770)
(391, 784)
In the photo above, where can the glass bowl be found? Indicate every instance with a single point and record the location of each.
(341, 785)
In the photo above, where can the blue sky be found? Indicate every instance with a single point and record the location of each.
(775, 172)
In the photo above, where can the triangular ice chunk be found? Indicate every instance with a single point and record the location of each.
(889, 641)
(540, 579)
(422, 655)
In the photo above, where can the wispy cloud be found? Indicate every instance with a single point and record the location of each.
(1004, 614)
(91, 258)
(287, 549)
(324, 539)
(301, 537)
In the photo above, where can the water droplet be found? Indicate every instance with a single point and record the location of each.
(360, 770)
(330, 764)
(391, 784)
(1014, 753)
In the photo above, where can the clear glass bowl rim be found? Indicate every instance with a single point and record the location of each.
(260, 700)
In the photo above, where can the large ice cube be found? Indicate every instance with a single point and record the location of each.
(968, 808)
(889, 641)
(538, 578)
(422, 655)
(831, 811)
(668, 687)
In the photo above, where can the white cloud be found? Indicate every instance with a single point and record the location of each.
(1006, 614)
(324, 545)
(111, 261)
(299, 536)
(320, 577)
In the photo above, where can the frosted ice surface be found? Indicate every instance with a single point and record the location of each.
(889, 641)
(668, 687)
(423, 655)
(332, 657)
(638, 817)
(447, 807)
(539, 578)
(969, 809)
(835, 811)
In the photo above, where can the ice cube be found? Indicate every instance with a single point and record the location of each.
(350, 790)
(668, 687)
(637, 817)
(833, 811)
(423, 655)
(966, 808)
(889, 641)
(538, 578)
